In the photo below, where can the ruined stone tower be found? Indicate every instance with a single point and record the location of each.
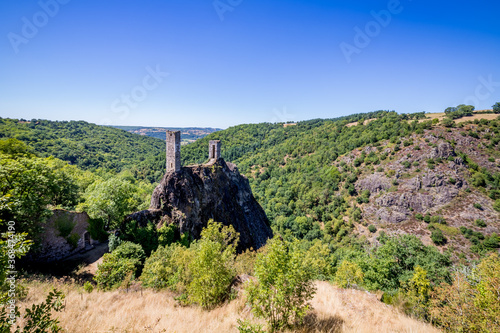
(173, 151)
(214, 149)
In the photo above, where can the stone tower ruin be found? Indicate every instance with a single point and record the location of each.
(214, 149)
(173, 151)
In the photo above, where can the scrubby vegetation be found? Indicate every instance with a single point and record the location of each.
(306, 177)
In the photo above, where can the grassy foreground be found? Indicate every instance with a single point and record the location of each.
(335, 310)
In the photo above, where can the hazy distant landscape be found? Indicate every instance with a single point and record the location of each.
(188, 134)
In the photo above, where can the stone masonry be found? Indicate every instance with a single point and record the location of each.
(173, 151)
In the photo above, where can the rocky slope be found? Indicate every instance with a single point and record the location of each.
(198, 193)
(425, 175)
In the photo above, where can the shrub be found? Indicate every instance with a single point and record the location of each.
(64, 225)
(480, 223)
(478, 206)
(417, 293)
(113, 270)
(96, 230)
(372, 228)
(114, 242)
(496, 205)
(437, 237)
(474, 292)
(129, 250)
(88, 287)
(348, 275)
(283, 287)
(419, 216)
(212, 267)
(245, 326)
(438, 219)
(427, 218)
(168, 267)
(73, 240)
(39, 317)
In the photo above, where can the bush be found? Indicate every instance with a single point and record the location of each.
(73, 240)
(64, 225)
(496, 205)
(427, 218)
(129, 250)
(114, 242)
(372, 228)
(96, 230)
(284, 285)
(113, 270)
(478, 206)
(348, 275)
(437, 237)
(419, 216)
(88, 287)
(475, 293)
(121, 264)
(212, 267)
(438, 219)
(480, 223)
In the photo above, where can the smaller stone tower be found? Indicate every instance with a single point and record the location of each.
(214, 149)
(173, 151)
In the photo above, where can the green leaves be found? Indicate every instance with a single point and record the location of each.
(110, 200)
(284, 285)
(28, 185)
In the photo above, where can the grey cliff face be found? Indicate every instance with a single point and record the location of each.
(195, 194)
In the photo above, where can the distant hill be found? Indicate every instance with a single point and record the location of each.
(332, 179)
(188, 134)
(90, 146)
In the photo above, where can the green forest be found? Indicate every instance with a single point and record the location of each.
(300, 176)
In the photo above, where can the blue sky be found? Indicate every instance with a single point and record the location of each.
(221, 63)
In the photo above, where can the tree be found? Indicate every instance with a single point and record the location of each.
(496, 107)
(284, 285)
(417, 293)
(122, 263)
(450, 110)
(109, 200)
(472, 302)
(28, 185)
(466, 110)
(348, 275)
(212, 268)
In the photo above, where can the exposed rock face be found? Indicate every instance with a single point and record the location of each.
(196, 194)
(416, 192)
(374, 183)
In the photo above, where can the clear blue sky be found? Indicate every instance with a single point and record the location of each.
(244, 61)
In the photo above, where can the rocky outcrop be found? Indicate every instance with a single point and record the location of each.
(374, 183)
(195, 194)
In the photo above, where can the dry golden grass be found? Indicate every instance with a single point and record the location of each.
(335, 310)
(441, 115)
